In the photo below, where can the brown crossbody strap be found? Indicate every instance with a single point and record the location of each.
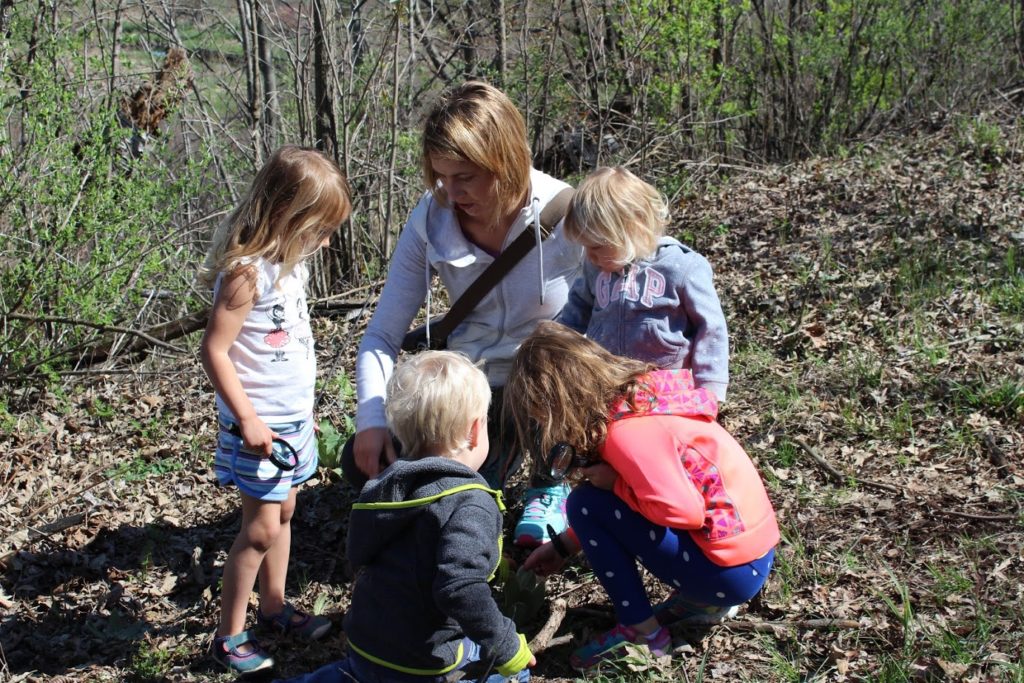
(552, 213)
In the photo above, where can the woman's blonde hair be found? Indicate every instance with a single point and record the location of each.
(562, 387)
(432, 399)
(613, 207)
(478, 123)
(299, 197)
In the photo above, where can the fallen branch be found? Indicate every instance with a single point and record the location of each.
(976, 517)
(157, 335)
(32, 533)
(835, 474)
(542, 640)
(800, 624)
(153, 341)
(841, 478)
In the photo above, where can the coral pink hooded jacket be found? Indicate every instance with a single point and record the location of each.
(679, 468)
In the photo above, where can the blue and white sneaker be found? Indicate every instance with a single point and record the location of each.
(240, 654)
(545, 507)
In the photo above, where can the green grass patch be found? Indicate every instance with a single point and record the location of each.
(140, 468)
(1000, 398)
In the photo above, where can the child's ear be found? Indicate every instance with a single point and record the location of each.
(474, 430)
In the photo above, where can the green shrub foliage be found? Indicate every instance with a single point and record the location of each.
(97, 233)
(87, 227)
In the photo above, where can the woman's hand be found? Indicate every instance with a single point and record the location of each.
(600, 475)
(371, 448)
(544, 560)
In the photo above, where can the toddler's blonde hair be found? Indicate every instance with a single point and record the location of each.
(613, 207)
(478, 123)
(432, 399)
(299, 197)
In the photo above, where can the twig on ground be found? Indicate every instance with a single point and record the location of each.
(835, 474)
(542, 640)
(976, 517)
(839, 477)
(802, 624)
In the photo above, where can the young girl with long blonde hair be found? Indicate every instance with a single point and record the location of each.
(258, 353)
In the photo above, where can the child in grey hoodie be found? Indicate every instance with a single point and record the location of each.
(425, 539)
(643, 295)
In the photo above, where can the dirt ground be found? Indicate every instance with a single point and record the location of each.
(875, 309)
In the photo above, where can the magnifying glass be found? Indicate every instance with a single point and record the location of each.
(562, 459)
(282, 453)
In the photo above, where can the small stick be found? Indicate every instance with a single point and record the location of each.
(542, 640)
(835, 474)
(762, 626)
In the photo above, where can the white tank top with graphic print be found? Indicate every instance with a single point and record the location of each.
(274, 354)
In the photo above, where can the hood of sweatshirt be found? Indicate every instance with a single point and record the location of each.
(535, 289)
(669, 392)
(391, 503)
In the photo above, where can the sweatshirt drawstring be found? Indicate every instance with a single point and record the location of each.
(540, 245)
(426, 275)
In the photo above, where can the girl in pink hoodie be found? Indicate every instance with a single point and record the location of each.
(664, 486)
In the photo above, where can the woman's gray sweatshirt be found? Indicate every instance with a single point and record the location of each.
(432, 242)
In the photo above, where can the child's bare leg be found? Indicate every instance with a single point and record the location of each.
(261, 526)
(274, 570)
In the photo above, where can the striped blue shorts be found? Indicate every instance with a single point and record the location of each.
(256, 475)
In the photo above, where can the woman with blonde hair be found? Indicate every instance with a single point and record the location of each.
(481, 194)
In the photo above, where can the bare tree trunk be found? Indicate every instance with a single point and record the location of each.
(271, 109)
(326, 130)
(385, 246)
(501, 56)
(469, 38)
(337, 265)
(115, 46)
(1018, 34)
(247, 11)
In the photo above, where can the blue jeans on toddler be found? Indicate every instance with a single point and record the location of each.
(357, 669)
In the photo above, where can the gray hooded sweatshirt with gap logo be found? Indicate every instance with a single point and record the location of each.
(663, 310)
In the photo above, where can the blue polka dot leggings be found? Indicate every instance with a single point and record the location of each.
(615, 539)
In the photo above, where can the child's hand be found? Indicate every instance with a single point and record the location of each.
(600, 475)
(257, 436)
(544, 561)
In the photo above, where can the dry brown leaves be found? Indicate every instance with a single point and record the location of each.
(901, 508)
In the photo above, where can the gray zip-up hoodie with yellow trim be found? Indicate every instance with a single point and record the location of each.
(425, 539)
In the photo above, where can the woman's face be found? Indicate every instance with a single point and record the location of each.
(470, 188)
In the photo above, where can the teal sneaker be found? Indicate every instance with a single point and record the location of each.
(544, 507)
(296, 622)
(676, 610)
(241, 654)
(611, 645)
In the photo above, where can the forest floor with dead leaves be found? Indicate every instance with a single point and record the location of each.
(876, 308)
